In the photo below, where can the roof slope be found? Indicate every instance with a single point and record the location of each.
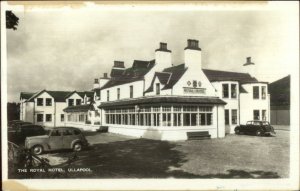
(217, 75)
(79, 108)
(280, 91)
(135, 73)
(26, 95)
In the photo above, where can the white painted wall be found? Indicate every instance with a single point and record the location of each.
(191, 75)
(163, 60)
(29, 110)
(192, 58)
(248, 104)
(44, 110)
(59, 110)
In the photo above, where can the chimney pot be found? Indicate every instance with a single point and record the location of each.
(193, 44)
(119, 64)
(248, 61)
(105, 75)
(96, 81)
(163, 47)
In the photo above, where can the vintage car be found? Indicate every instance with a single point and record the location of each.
(258, 128)
(58, 138)
(18, 133)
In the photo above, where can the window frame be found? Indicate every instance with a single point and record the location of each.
(256, 110)
(255, 94)
(231, 91)
(78, 101)
(157, 88)
(47, 103)
(223, 90)
(234, 116)
(37, 118)
(131, 91)
(107, 95)
(263, 92)
(118, 93)
(46, 118)
(40, 101)
(70, 101)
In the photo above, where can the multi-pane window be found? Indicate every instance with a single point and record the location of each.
(107, 94)
(233, 116)
(62, 117)
(118, 93)
(177, 116)
(71, 102)
(81, 117)
(225, 90)
(39, 117)
(263, 92)
(166, 116)
(157, 88)
(131, 91)
(78, 101)
(255, 92)
(156, 116)
(226, 117)
(264, 115)
(233, 91)
(256, 114)
(48, 102)
(48, 117)
(40, 101)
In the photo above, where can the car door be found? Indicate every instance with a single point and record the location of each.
(68, 137)
(56, 139)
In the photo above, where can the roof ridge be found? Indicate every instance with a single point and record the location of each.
(226, 71)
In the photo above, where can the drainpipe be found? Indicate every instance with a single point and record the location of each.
(218, 121)
(54, 114)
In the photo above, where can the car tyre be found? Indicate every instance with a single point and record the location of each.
(258, 133)
(77, 146)
(37, 150)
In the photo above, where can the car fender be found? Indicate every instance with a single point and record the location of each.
(75, 141)
(44, 145)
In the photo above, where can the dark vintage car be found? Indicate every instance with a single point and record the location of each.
(18, 133)
(16, 124)
(58, 138)
(259, 128)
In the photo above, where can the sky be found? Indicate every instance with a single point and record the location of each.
(62, 49)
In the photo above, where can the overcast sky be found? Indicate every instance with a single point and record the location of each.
(66, 50)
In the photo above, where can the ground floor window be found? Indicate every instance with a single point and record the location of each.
(233, 116)
(39, 117)
(226, 117)
(48, 117)
(264, 115)
(256, 114)
(161, 116)
(62, 117)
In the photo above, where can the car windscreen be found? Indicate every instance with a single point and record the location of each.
(265, 123)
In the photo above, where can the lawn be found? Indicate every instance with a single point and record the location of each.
(235, 156)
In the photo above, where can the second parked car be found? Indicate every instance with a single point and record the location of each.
(258, 128)
(57, 138)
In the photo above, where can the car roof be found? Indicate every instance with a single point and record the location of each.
(65, 128)
(31, 125)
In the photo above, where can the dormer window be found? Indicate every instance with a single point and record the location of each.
(78, 101)
(233, 91)
(255, 92)
(157, 88)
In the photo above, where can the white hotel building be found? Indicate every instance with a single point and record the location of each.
(157, 100)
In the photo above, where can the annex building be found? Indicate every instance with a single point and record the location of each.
(157, 100)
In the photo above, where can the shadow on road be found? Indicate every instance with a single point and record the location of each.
(138, 158)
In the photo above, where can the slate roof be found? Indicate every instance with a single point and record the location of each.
(169, 77)
(164, 100)
(280, 92)
(217, 75)
(26, 95)
(79, 108)
(135, 73)
(59, 96)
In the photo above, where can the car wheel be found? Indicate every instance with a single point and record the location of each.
(77, 146)
(258, 133)
(37, 150)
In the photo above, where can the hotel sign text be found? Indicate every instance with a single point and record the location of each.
(194, 90)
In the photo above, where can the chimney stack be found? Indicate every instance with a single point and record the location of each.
(103, 80)
(119, 64)
(96, 83)
(105, 75)
(162, 57)
(192, 54)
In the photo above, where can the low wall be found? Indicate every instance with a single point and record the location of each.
(160, 133)
(83, 126)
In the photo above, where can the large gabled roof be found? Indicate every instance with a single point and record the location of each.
(280, 91)
(58, 96)
(137, 72)
(168, 77)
